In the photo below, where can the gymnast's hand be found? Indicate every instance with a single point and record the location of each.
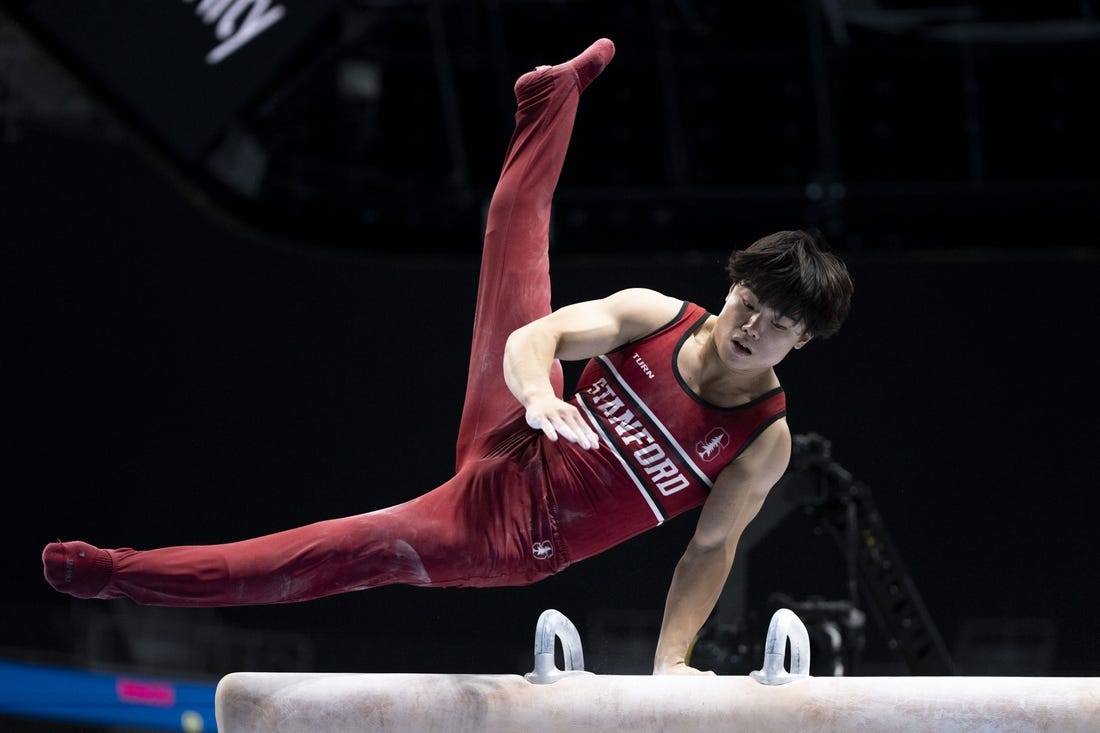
(682, 668)
(556, 417)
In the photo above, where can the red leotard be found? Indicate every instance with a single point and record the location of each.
(520, 506)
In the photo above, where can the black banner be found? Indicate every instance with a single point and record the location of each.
(182, 68)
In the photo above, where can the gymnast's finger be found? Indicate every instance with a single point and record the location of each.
(580, 434)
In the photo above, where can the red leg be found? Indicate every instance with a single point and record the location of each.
(514, 286)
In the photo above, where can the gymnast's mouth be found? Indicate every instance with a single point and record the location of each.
(740, 348)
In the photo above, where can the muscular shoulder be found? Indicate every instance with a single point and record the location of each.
(586, 329)
(641, 311)
(763, 462)
(741, 488)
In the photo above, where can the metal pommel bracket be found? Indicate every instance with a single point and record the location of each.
(554, 625)
(785, 626)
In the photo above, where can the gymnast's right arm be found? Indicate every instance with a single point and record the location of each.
(578, 331)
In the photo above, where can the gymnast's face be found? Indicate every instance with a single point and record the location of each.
(750, 335)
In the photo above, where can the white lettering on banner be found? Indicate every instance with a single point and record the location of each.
(233, 30)
(660, 469)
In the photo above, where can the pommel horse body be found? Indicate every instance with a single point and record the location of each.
(770, 700)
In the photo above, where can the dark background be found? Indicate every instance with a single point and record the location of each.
(239, 298)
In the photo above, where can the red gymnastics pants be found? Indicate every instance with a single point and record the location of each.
(479, 528)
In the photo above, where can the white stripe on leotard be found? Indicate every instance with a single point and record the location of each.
(626, 467)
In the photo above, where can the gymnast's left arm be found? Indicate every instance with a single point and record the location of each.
(736, 497)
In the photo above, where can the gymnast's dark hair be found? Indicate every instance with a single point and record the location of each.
(796, 274)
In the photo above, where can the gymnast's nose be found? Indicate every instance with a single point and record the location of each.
(750, 326)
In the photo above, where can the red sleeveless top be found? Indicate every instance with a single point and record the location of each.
(670, 444)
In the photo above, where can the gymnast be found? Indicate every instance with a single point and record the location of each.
(676, 409)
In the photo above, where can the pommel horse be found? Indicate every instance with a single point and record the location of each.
(770, 700)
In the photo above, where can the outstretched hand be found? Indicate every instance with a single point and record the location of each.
(555, 417)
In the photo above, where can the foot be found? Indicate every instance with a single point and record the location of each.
(76, 568)
(582, 69)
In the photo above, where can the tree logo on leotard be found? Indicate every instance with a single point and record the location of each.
(542, 550)
(709, 447)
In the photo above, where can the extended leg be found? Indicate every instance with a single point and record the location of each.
(448, 537)
(514, 285)
(319, 559)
